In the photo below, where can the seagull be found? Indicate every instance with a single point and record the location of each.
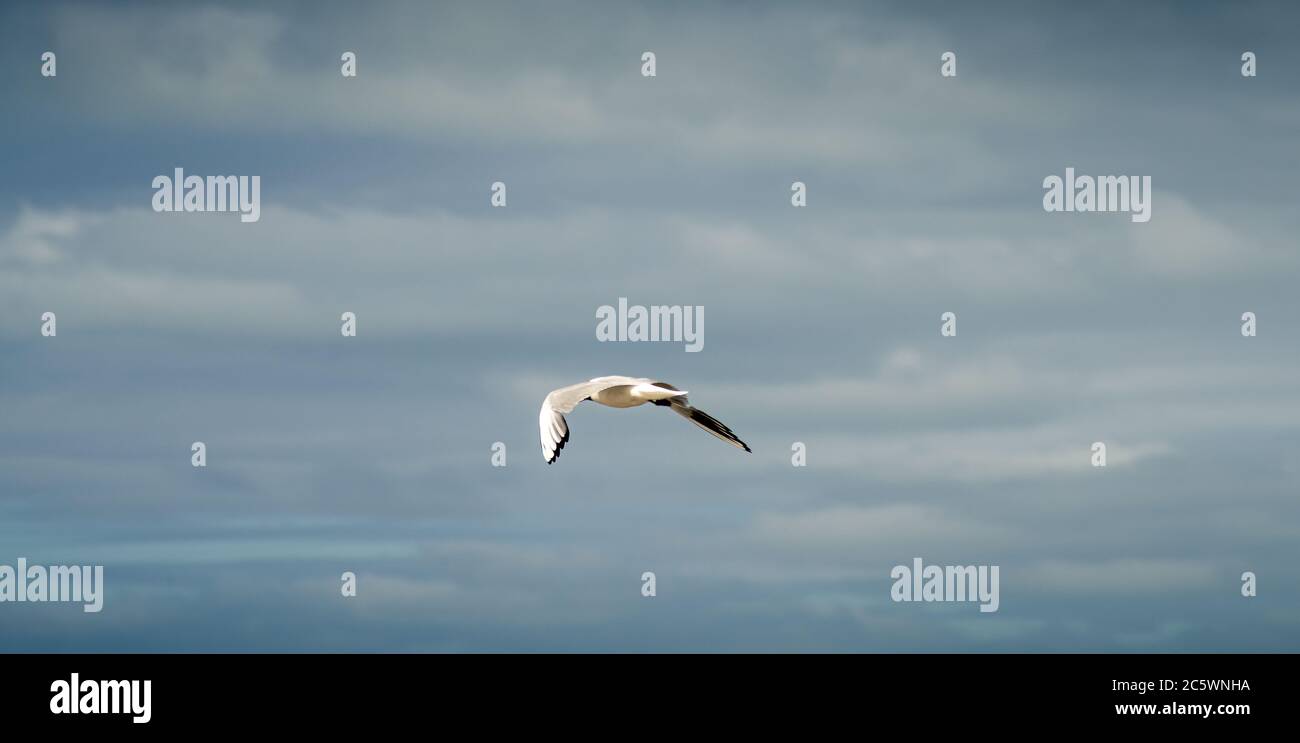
(619, 392)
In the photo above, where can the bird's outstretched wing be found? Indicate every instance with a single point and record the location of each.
(682, 406)
(555, 433)
(550, 421)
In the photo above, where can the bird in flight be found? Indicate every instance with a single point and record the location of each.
(620, 392)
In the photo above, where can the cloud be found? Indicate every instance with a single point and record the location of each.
(1186, 242)
(32, 239)
(877, 528)
(372, 453)
(1122, 576)
(224, 68)
(977, 455)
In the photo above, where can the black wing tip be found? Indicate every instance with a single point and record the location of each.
(717, 426)
(556, 454)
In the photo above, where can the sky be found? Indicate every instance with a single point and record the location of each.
(373, 454)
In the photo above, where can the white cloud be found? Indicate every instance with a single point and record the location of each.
(879, 529)
(219, 69)
(1123, 576)
(1181, 241)
(975, 455)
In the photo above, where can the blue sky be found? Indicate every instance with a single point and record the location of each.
(372, 454)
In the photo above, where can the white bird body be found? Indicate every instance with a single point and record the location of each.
(631, 395)
(619, 392)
